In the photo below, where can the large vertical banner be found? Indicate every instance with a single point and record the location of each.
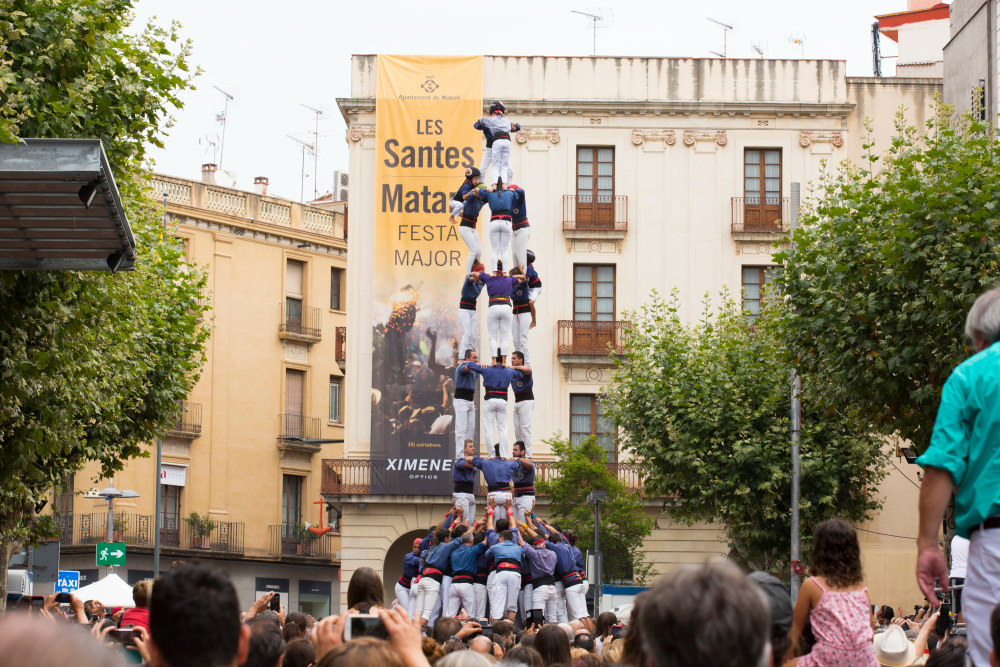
(425, 108)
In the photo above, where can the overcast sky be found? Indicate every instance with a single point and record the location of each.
(275, 56)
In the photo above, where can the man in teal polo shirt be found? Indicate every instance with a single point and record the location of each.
(964, 456)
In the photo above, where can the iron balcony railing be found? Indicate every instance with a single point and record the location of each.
(224, 536)
(298, 426)
(292, 540)
(591, 337)
(188, 424)
(757, 214)
(135, 529)
(300, 321)
(353, 476)
(340, 350)
(607, 213)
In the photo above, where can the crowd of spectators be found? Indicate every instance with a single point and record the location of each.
(708, 615)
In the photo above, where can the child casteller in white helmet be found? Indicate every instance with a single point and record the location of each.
(499, 127)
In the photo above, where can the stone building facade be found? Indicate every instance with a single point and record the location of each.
(241, 454)
(684, 142)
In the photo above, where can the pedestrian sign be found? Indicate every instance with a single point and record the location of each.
(110, 553)
(68, 581)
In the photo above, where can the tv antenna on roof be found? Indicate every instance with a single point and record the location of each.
(725, 31)
(305, 147)
(760, 47)
(798, 41)
(318, 112)
(600, 17)
(222, 119)
(210, 145)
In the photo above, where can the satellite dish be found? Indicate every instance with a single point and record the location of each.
(225, 179)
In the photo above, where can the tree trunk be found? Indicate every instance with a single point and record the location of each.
(7, 549)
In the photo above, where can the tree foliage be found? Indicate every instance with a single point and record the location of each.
(889, 259)
(705, 409)
(91, 365)
(623, 525)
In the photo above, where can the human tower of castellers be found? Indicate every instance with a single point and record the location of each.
(509, 563)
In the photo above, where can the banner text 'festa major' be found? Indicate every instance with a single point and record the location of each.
(425, 107)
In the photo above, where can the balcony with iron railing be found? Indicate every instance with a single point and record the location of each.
(340, 351)
(188, 424)
(760, 218)
(137, 530)
(353, 476)
(290, 541)
(590, 341)
(587, 213)
(294, 432)
(298, 322)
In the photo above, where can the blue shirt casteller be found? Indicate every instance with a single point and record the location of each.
(463, 561)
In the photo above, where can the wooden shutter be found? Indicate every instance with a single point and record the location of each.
(595, 187)
(762, 188)
(336, 289)
(293, 279)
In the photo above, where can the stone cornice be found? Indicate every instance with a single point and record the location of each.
(350, 106)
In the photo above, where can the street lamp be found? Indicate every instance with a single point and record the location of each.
(594, 498)
(111, 493)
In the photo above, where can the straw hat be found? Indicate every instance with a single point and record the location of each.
(893, 649)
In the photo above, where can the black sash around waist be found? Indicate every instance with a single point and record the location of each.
(496, 394)
(525, 395)
(544, 580)
(463, 487)
(464, 393)
(467, 304)
(501, 135)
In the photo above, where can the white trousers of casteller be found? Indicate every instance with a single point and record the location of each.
(500, 243)
(521, 237)
(467, 503)
(456, 207)
(495, 410)
(484, 165)
(504, 593)
(481, 593)
(469, 322)
(442, 601)
(522, 424)
(523, 505)
(498, 319)
(527, 603)
(546, 598)
(427, 596)
(576, 602)
(561, 604)
(465, 423)
(519, 326)
(501, 162)
(403, 598)
(471, 237)
(461, 596)
(500, 498)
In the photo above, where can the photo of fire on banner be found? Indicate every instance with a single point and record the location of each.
(425, 141)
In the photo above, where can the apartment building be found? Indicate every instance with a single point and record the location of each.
(246, 452)
(641, 173)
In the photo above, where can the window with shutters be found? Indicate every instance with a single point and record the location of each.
(294, 271)
(587, 419)
(754, 280)
(595, 187)
(170, 515)
(335, 387)
(291, 500)
(762, 188)
(294, 425)
(336, 289)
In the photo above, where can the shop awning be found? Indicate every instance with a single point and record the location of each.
(60, 208)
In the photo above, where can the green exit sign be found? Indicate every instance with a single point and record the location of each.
(110, 553)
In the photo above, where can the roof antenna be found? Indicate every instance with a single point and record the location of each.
(222, 119)
(760, 47)
(318, 112)
(305, 146)
(798, 41)
(211, 145)
(600, 17)
(725, 31)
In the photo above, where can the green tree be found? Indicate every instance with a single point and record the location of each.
(889, 259)
(705, 409)
(583, 469)
(91, 365)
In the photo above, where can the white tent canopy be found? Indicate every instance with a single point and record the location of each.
(111, 591)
